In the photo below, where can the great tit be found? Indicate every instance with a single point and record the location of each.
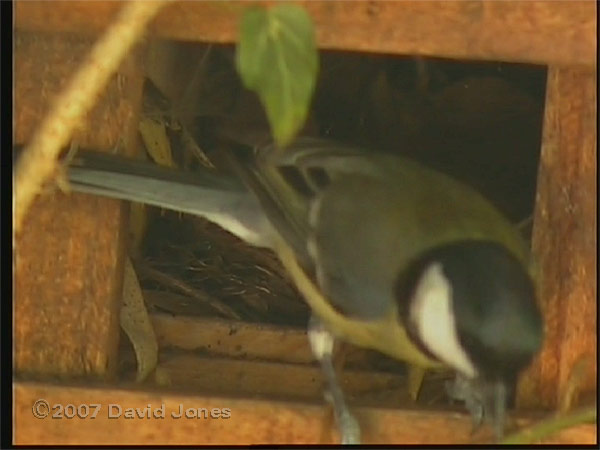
(389, 254)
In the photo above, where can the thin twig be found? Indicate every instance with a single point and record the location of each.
(186, 289)
(546, 428)
(39, 160)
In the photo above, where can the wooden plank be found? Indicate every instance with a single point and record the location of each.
(250, 421)
(43, 64)
(255, 379)
(232, 339)
(256, 341)
(564, 239)
(68, 257)
(558, 32)
(241, 358)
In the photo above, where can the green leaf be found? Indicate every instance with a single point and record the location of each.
(277, 58)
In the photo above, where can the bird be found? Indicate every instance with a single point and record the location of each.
(389, 254)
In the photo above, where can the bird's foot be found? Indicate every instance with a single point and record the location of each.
(347, 423)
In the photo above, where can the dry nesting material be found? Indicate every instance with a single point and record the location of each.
(218, 274)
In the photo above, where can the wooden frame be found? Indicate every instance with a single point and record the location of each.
(66, 326)
(562, 32)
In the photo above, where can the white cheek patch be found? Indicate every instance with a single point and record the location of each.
(432, 313)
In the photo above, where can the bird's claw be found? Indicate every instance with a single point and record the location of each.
(349, 428)
(347, 423)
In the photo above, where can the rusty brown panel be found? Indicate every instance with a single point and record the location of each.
(251, 421)
(68, 258)
(559, 32)
(66, 285)
(43, 63)
(564, 239)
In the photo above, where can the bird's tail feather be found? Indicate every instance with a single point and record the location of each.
(221, 199)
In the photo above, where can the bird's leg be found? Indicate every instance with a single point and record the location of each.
(499, 397)
(415, 381)
(321, 342)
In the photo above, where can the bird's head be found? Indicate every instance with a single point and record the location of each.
(472, 306)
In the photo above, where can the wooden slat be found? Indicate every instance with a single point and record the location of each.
(250, 422)
(232, 357)
(564, 239)
(256, 341)
(232, 339)
(558, 32)
(246, 378)
(68, 256)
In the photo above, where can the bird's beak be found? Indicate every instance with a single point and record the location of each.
(484, 399)
(499, 396)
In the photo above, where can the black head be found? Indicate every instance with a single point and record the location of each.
(497, 318)
(471, 304)
(491, 305)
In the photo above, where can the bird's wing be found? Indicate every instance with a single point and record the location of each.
(355, 219)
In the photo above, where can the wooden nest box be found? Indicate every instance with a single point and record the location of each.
(70, 255)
